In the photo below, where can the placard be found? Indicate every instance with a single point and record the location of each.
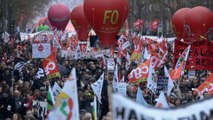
(162, 84)
(41, 50)
(191, 74)
(84, 55)
(200, 55)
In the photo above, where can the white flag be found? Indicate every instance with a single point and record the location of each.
(78, 52)
(152, 79)
(161, 101)
(67, 101)
(97, 87)
(170, 82)
(56, 89)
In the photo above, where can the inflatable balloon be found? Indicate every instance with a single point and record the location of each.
(58, 15)
(178, 21)
(80, 22)
(106, 18)
(41, 21)
(44, 21)
(199, 20)
(43, 27)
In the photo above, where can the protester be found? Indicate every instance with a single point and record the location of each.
(21, 85)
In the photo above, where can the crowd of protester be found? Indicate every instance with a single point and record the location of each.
(19, 88)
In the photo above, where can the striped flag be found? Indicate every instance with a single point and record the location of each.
(180, 65)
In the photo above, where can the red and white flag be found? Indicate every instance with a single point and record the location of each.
(154, 25)
(50, 67)
(180, 65)
(207, 85)
(138, 24)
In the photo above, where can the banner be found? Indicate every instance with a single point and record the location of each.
(50, 67)
(126, 109)
(41, 50)
(84, 55)
(200, 55)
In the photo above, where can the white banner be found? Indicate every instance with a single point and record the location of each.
(126, 109)
(41, 50)
(84, 55)
(121, 88)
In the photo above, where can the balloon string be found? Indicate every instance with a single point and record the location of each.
(93, 18)
(123, 15)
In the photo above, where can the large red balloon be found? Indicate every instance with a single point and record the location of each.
(106, 17)
(58, 15)
(178, 21)
(80, 22)
(198, 21)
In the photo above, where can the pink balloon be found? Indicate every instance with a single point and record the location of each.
(58, 15)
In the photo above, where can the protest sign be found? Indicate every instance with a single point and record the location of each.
(84, 55)
(41, 50)
(126, 109)
(191, 74)
(121, 88)
(200, 55)
(162, 84)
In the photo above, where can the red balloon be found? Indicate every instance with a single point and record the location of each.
(80, 22)
(41, 21)
(58, 15)
(178, 21)
(106, 18)
(198, 21)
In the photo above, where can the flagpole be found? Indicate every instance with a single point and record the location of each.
(99, 110)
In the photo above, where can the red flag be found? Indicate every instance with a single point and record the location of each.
(154, 25)
(50, 66)
(138, 24)
(141, 72)
(207, 85)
